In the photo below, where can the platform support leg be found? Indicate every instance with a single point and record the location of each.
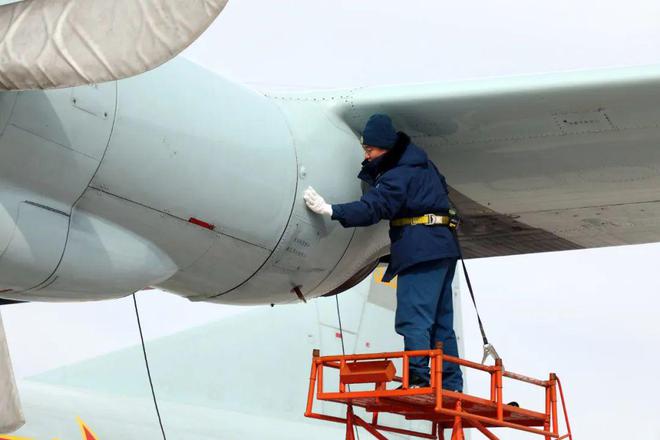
(312, 382)
(482, 429)
(457, 430)
(370, 429)
(553, 403)
(546, 423)
(350, 427)
(440, 431)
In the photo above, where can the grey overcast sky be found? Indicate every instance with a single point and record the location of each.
(343, 43)
(589, 315)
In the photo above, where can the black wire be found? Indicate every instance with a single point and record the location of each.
(343, 351)
(146, 364)
(341, 330)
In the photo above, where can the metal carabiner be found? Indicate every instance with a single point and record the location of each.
(489, 351)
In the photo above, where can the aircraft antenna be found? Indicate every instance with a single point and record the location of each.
(146, 364)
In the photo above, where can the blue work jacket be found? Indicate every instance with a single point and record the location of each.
(404, 183)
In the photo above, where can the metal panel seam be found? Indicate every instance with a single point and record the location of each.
(53, 142)
(172, 216)
(293, 202)
(515, 138)
(584, 207)
(48, 281)
(350, 101)
(11, 113)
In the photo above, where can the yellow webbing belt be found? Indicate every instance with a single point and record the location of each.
(426, 219)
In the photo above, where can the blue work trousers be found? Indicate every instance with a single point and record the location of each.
(425, 315)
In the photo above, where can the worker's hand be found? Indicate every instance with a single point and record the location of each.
(316, 203)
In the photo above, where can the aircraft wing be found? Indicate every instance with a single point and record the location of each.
(543, 163)
(64, 43)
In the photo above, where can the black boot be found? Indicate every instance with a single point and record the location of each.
(416, 382)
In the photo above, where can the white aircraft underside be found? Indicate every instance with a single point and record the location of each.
(182, 179)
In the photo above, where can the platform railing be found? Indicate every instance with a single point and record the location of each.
(461, 415)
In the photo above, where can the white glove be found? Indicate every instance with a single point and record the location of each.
(316, 203)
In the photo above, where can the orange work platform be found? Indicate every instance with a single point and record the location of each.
(446, 410)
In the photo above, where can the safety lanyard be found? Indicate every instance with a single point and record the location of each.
(489, 350)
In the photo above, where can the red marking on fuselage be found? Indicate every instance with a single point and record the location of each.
(202, 223)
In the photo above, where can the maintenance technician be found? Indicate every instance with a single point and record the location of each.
(405, 187)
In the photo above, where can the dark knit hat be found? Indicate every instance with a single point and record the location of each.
(379, 132)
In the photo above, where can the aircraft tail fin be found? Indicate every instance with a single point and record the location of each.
(11, 413)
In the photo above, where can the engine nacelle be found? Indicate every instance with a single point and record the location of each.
(176, 178)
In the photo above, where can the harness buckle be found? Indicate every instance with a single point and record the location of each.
(433, 219)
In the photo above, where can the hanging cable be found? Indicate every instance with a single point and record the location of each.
(343, 349)
(146, 364)
(341, 330)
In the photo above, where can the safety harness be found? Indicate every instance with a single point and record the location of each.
(451, 220)
(426, 220)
